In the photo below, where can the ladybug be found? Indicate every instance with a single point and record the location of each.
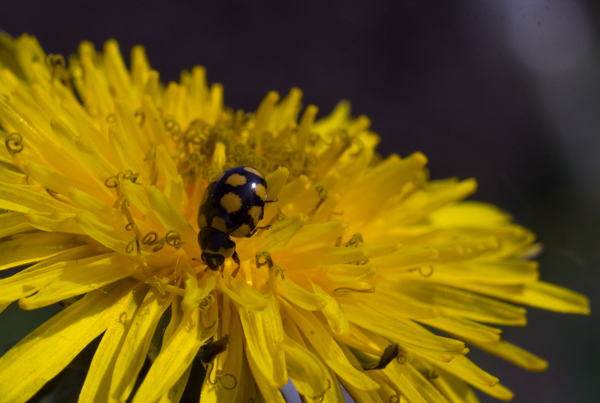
(232, 206)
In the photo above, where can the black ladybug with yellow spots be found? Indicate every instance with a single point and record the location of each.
(232, 206)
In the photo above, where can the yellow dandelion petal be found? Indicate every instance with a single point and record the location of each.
(175, 356)
(47, 350)
(134, 347)
(68, 279)
(128, 196)
(98, 379)
(13, 223)
(264, 338)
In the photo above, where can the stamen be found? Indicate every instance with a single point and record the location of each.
(403, 358)
(422, 272)
(140, 116)
(268, 261)
(257, 398)
(174, 239)
(344, 291)
(14, 143)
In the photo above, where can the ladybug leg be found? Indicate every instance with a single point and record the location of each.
(272, 201)
(236, 259)
(255, 230)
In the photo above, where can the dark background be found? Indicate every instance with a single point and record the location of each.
(504, 91)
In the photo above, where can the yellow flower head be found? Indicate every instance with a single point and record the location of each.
(370, 274)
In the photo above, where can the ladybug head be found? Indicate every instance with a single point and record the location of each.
(216, 247)
(213, 260)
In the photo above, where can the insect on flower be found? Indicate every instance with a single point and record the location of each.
(232, 206)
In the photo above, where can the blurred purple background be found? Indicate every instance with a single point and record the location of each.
(504, 91)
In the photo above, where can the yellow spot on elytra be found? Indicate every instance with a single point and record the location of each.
(231, 202)
(255, 212)
(220, 177)
(202, 221)
(241, 232)
(219, 224)
(253, 171)
(261, 191)
(236, 180)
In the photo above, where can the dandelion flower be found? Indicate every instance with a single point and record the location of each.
(370, 275)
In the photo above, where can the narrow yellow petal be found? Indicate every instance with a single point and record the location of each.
(336, 318)
(155, 121)
(128, 124)
(176, 318)
(421, 203)
(306, 123)
(289, 197)
(13, 223)
(403, 305)
(264, 113)
(464, 369)
(403, 385)
(419, 384)
(31, 279)
(173, 184)
(12, 288)
(401, 330)
(174, 359)
(509, 271)
(338, 118)
(135, 346)
(512, 353)
(97, 380)
(172, 219)
(19, 199)
(314, 257)
(455, 390)
(553, 297)
(116, 71)
(326, 233)
(28, 248)
(51, 179)
(264, 341)
(276, 180)
(538, 293)
(84, 152)
(42, 354)
(68, 279)
(244, 295)
(275, 238)
(329, 351)
(467, 214)
(465, 304)
(269, 392)
(498, 391)
(119, 143)
(176, 392)
(105, 234)
(9, 172)
(366, 198)
(359, 395)
(85, 201)
(306, 371)
(222, 383)
(334, 393)
(54, 222)
(216, 103)
(299, 296)
(464, 328)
